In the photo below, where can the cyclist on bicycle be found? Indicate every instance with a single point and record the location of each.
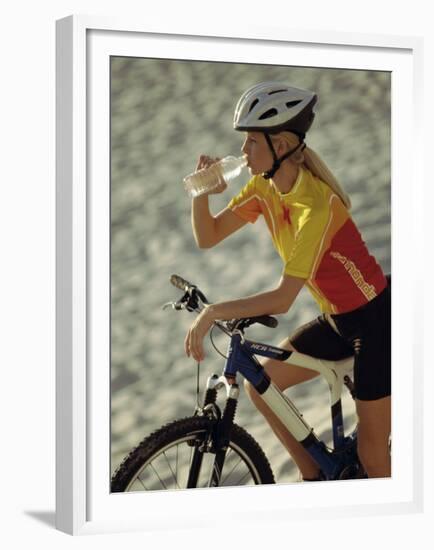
(307, 214)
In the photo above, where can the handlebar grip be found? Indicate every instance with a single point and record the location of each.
(267, 321)
(180, 283)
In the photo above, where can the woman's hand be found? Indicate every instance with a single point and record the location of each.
(205, 162)
(193, 343)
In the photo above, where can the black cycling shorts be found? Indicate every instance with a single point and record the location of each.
(364, 333)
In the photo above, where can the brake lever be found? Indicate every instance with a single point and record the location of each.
(188, 301)
(234, 324)
(174, 305)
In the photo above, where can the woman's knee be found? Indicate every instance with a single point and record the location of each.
(282, 375)
(250, 390)
(255, 397)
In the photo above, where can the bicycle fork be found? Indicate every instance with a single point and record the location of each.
(218, 439)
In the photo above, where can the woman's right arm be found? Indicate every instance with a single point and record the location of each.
(207, 229)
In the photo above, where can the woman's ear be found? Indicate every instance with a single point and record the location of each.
(280, 146)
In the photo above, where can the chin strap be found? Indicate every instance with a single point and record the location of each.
(278, 161)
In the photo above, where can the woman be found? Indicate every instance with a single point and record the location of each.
(306, 212)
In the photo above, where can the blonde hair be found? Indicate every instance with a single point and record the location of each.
(312, 161)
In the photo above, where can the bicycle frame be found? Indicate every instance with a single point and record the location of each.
(241, 358)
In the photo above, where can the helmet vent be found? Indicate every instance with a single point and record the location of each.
(253, 104)
(293, 103)
(277, 91)
(268, 114)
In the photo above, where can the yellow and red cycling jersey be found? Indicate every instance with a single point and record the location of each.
(316, 238)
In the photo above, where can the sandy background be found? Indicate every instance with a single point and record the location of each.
(164, 114)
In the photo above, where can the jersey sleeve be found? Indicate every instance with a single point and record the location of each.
(308, 243)
(246, 204)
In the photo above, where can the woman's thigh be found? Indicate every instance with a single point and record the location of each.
(282, 373)
(316, 338)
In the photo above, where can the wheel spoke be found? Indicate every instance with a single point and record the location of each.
(142, 482)
(228, 475)
(171, 470)
(239, 482)
(156, 473)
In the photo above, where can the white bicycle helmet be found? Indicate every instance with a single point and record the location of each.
(273, 107)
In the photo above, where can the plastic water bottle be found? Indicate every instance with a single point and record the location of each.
(207, 179)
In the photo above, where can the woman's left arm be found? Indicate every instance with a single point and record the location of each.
(273, 302)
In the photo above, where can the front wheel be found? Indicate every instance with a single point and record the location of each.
(164, 459)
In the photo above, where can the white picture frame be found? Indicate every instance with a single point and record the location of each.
(83, 502)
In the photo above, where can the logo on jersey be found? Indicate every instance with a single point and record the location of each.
(367, 289)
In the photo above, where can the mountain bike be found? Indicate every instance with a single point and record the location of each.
(209, 449)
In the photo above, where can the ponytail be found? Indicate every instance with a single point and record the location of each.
(312, 161)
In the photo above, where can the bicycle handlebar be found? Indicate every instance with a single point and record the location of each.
(180, 283)
(190, 299)
(187, 287)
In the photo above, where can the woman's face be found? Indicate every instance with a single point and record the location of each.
(259, 157)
